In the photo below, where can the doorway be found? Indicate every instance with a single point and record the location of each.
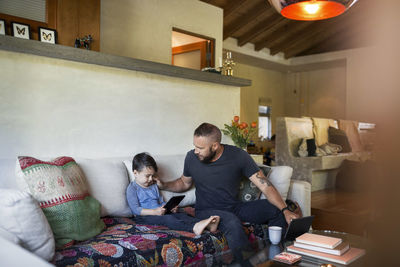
(190, 50)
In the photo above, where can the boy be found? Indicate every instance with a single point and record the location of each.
(147, 204)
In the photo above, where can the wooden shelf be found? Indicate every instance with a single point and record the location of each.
(33, 47)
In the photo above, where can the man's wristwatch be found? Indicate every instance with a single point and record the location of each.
(285, 208)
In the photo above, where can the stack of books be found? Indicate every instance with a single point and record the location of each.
(325, 247)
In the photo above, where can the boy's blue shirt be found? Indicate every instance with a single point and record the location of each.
(143, 198)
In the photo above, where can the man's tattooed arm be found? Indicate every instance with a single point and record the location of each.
(263, 179)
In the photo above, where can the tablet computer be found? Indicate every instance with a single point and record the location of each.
(298, 227)
(172, 203)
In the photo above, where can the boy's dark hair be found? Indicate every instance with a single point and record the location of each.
(208, 130)
(143, 160)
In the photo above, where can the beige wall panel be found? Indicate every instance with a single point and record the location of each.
(266, 84)
(143, 29)
(77, 109)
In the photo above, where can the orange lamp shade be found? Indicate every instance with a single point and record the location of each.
(311, 9)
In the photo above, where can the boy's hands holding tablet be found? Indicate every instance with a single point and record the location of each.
(159, 211)
(174, 210)
(172, 204)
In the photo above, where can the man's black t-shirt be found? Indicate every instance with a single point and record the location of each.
(217, 183)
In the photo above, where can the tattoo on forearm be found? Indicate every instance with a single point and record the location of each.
(263, 179)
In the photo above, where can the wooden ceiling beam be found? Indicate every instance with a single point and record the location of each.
(281, 34)
(327, 29)
(278, 38)
(328, 44)
(260, 9)
(263, 27)
(306, 37)
(233, 6)
(271, 30)
(296, 37)
(347, 39)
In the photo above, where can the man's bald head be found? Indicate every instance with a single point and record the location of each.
(210, 131)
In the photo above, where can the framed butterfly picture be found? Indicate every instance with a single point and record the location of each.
(20, 30)
(47, 35)
(2, 27)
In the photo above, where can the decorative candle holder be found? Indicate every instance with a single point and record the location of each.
(228, 64)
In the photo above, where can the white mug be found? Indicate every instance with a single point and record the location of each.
(275, 233)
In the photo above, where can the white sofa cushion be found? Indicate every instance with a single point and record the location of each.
(107, 181)
(9, 236)
(280, 177)
(169, 168)
(300, 191)
(23, 219)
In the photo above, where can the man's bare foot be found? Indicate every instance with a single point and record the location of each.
(213, 225)
(199, 227)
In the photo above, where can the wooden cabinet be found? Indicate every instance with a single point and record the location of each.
(76, 19)
(70, 18)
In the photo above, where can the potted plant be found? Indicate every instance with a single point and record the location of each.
(240, 133)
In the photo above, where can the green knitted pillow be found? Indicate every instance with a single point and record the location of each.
(60, 188)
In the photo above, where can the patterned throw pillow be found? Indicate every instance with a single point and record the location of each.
(60, 188)
(249, 191)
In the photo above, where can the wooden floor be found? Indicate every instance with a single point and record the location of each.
(340, 211)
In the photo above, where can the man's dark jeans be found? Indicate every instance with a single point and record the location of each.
(258, 212)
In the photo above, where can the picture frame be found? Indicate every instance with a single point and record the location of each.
(20, 30)
(47, 35)
(2, 27)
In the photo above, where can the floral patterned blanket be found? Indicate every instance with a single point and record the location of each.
(125, 243)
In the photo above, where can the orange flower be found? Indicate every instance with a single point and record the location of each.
(253, 124)
(236, 119)
(244, 125)
(246, 131)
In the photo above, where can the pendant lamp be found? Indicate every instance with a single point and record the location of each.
(311, 9)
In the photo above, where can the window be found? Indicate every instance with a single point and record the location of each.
(28, 9)
(264, 122)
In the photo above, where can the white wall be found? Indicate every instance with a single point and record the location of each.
(317, 93)
(351, 91)
(51, 107)
(143, 29)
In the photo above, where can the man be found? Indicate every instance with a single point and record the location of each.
(216, 169)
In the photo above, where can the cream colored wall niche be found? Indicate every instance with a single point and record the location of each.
(266, 85)
(318, 93)
(143, 29)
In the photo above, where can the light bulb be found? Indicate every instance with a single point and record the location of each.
(311, 8)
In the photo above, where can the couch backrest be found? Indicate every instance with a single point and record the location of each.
(108, 179)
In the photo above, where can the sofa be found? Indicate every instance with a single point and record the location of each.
(320, 171)
(122, 242)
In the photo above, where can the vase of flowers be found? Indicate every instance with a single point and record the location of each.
(240, 133)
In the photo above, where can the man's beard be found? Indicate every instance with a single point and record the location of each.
(208, 158)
